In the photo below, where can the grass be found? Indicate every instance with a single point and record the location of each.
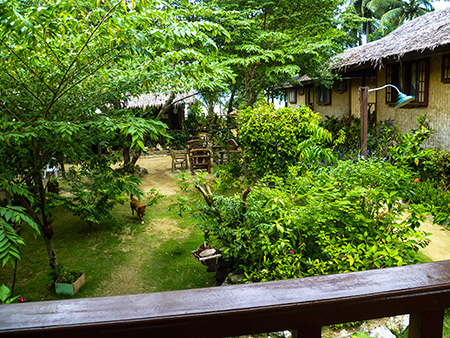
(120, 256)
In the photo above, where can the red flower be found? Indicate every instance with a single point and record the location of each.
(21, 300)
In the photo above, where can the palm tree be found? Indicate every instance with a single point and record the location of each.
(393, 13)
(368, 24)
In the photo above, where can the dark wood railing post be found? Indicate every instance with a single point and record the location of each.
(426, 325)
(364, 115)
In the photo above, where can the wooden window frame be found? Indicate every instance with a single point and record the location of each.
(292, 95)
(401, 76)
(309, 99)
(327, 99)
(340, 86)
(445, 77)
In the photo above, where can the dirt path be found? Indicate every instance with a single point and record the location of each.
(439, 247)
(160, 175)
(127, 277)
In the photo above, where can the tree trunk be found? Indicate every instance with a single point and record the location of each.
(47, 231)
(230, 102)
(166, 105)
(45, 223)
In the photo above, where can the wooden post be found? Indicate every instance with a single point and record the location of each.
(427, 324)
(364, 100)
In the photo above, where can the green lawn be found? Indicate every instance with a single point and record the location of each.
(120, 256)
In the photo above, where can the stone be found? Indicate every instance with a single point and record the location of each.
(398, 324)
(381, 332)
(234, 279)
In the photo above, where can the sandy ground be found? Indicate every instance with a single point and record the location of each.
(160, 176)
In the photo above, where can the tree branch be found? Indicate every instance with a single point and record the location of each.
(24, 86)
(26, 65)
(64, 77)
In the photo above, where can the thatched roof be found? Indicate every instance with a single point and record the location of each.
(157, 99)
(424, 33)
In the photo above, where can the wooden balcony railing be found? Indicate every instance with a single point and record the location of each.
(300, 304)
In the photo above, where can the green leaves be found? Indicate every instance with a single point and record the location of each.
(340, 218)
(294, 134)
(5, 295)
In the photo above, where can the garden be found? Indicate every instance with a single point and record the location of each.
(294, 197)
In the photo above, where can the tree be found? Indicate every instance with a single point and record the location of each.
(393, 13)
(271, 41)
(367, 22)
(62, 61)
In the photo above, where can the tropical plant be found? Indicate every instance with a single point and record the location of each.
(367, 20)
(274, 139)
(393, 13)
(6, 296)
(336, 219)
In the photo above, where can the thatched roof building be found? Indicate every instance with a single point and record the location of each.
(427, 33)
(156, 100)
(169, 108)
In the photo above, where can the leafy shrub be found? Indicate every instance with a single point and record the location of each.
(274, 139)
(340, 218)
(435, 200)
(346, 129)
(178, 139)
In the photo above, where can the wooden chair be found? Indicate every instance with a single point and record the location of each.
(194, 144)
(200, 158)
(179, 157)
(232, 148)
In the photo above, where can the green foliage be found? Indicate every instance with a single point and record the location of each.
(67, 276)
(95, 188)
(337, 219)
(5, 295)
(435, 199)
(273, 41)
(178, 139)
(64, 60)
(281, 137)
(11, 219)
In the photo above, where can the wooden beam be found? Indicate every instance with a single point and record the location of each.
(295, 304)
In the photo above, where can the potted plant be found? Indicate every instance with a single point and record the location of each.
(69, 282)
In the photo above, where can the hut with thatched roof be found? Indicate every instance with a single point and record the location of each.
(170, 108)
(415, 58)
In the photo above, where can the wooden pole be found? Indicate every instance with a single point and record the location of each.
(364, 100)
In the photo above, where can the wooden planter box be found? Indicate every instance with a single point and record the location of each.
(70, 289)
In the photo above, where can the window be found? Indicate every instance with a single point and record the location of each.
(340, 86)
(323, 95)
(446, 68)
(411, 78)
(292, 95)
(309, 97)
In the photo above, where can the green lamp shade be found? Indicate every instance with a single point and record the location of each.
(403, 100)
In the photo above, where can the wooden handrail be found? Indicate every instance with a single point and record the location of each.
(304, 305)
